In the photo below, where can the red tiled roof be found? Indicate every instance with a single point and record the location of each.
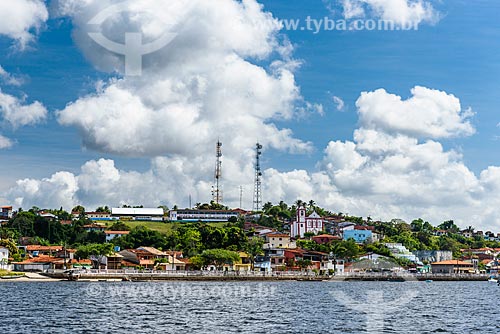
(40, 259)
(32, 248)
(116, 232)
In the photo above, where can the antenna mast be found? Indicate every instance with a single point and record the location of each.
(216, 191)
(257, 197)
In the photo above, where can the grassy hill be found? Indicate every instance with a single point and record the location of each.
(162, 227)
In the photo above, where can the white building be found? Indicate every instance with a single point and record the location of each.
(278, 240)
(110, 235)
(5, 212)
(146, 214)
(4, 257)
(306, 224)
(189, 215)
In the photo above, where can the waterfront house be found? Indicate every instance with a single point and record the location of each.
(4, 257)
(276, 257)
(110, 235)
(305, 224)
(40, 263)
(113, 261)
(452, 267)
(244, 264)
(262, 263)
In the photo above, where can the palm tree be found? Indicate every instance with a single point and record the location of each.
(312, 205)
(299, 203)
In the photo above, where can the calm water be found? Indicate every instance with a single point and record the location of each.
(282, 307)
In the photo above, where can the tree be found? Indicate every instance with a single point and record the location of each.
(104, 209)
(219, 257)
(119, 226)
(303, 264)
(80, 209)
(95, 252)
(254, 248)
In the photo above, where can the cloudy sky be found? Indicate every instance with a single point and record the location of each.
(391, 124)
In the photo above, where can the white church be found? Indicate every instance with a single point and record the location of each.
(303, 224)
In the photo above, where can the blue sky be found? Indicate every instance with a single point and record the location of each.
(457, 54)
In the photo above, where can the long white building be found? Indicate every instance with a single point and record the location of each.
(189, 215)
(147, 214)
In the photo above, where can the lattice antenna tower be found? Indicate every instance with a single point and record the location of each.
(257, 197)
(216, 189)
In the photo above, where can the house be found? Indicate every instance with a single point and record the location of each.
(148, 257)
(305, 224)
(359, 236)
(110, 235)
(276, 257)
(192, 215)
(262, 263)
(332, 266)
(452, 267)
(4, 257)
(244, 264)
(440, 233)
(5, 212)
(94, 228)
(47, 215)
(139, 214)
(325, 238)
(278, 240)
(113, 261)
(400, 251)
(40, 263)
(468, 233)
(38, 250)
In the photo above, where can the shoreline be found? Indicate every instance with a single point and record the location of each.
(163, 277)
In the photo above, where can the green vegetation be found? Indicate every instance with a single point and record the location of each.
(9, 273)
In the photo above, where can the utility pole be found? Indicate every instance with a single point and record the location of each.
(257, 196)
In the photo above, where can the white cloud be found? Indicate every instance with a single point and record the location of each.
(18, 114)
(5, 142)
(200, 87)
(20, 18)
(9, 79)
(402, 12)
(427, 114)
(382, 173)
(339, 103)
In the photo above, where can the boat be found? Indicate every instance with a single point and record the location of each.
(428, 281)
